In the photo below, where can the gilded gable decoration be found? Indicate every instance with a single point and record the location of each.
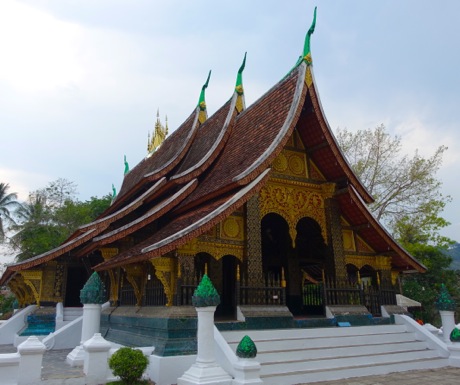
(293, 202)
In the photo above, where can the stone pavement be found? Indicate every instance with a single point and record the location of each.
(57, 372)
(443, 376)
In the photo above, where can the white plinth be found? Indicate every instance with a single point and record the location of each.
(95, 361)
(205, 370)
(448, 324)
(454, 358)
(30, 367)
(90, 326)
(247, 371)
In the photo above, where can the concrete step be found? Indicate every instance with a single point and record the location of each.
(293, 356)
(334, 351)
(71, 313)
(303, 377)
(277, 367)
(287, 334)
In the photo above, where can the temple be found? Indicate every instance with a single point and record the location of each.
(260, 198)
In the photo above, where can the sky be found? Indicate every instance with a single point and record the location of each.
(81, 81)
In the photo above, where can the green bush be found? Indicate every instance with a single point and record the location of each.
(128, 364)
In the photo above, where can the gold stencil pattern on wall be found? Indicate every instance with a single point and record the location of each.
(232, 228)
(291, 163)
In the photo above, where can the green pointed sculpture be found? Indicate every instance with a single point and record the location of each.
(445, 302)
(246, 348)
(306, 48)
(94, 291)
(455, 335)
(126, 165)
(205, 294)
(239, 77)
(114, 192)
(201, 101)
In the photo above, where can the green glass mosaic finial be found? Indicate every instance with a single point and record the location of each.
(201, 101)
(455, 335)
(239, 77)
(445, 301)
(114, 192)
(306, 49)
(94, 291)
(246, 348)
(126, 165)
(205, 294)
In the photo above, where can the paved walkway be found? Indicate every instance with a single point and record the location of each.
(57, 372)
(444, 376)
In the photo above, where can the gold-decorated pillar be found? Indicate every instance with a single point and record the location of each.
(254, 270)
(336, 260)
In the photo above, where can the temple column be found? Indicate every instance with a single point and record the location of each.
(335, 242)
(254, 271)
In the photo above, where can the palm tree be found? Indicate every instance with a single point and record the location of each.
(8, 203)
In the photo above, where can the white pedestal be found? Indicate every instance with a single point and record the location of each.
(454, 358)
(448, 324)
(30, 367)
(247, 371)
(90, 326)
(95, 361)
(205, 370)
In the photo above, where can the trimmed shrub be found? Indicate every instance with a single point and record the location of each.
(128, 364)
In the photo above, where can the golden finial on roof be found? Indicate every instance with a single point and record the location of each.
(158, 136)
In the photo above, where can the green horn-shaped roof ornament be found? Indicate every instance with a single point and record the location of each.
(240, 104)
(126, 165)
(306, 48)
(201, 102)
(239, 77)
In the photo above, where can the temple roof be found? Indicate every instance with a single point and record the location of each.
(208, 168)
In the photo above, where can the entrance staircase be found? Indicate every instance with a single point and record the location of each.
(294, 356)
(72, 313)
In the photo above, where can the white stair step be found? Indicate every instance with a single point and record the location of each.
(344, 362)
(357, 371)
(260, 335)
(334, 351)
(324, 342)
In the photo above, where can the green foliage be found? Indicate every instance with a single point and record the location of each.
(426, 287)
(6, 303)
(128, 364)
(8, 204)
(405, 188)
(50, 216)
(409, 202)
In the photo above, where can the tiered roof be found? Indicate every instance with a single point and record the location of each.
(210, 167)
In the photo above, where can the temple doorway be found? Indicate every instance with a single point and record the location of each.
(76, 279)
(222, 273)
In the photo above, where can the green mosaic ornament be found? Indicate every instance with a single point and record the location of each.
(445, 302)
(93, 291)
(455, 335)
(205, 294)
(246, 348)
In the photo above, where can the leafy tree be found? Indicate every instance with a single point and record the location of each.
(409, 202)
(50, 216)
(405, 188)
(8, 203)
